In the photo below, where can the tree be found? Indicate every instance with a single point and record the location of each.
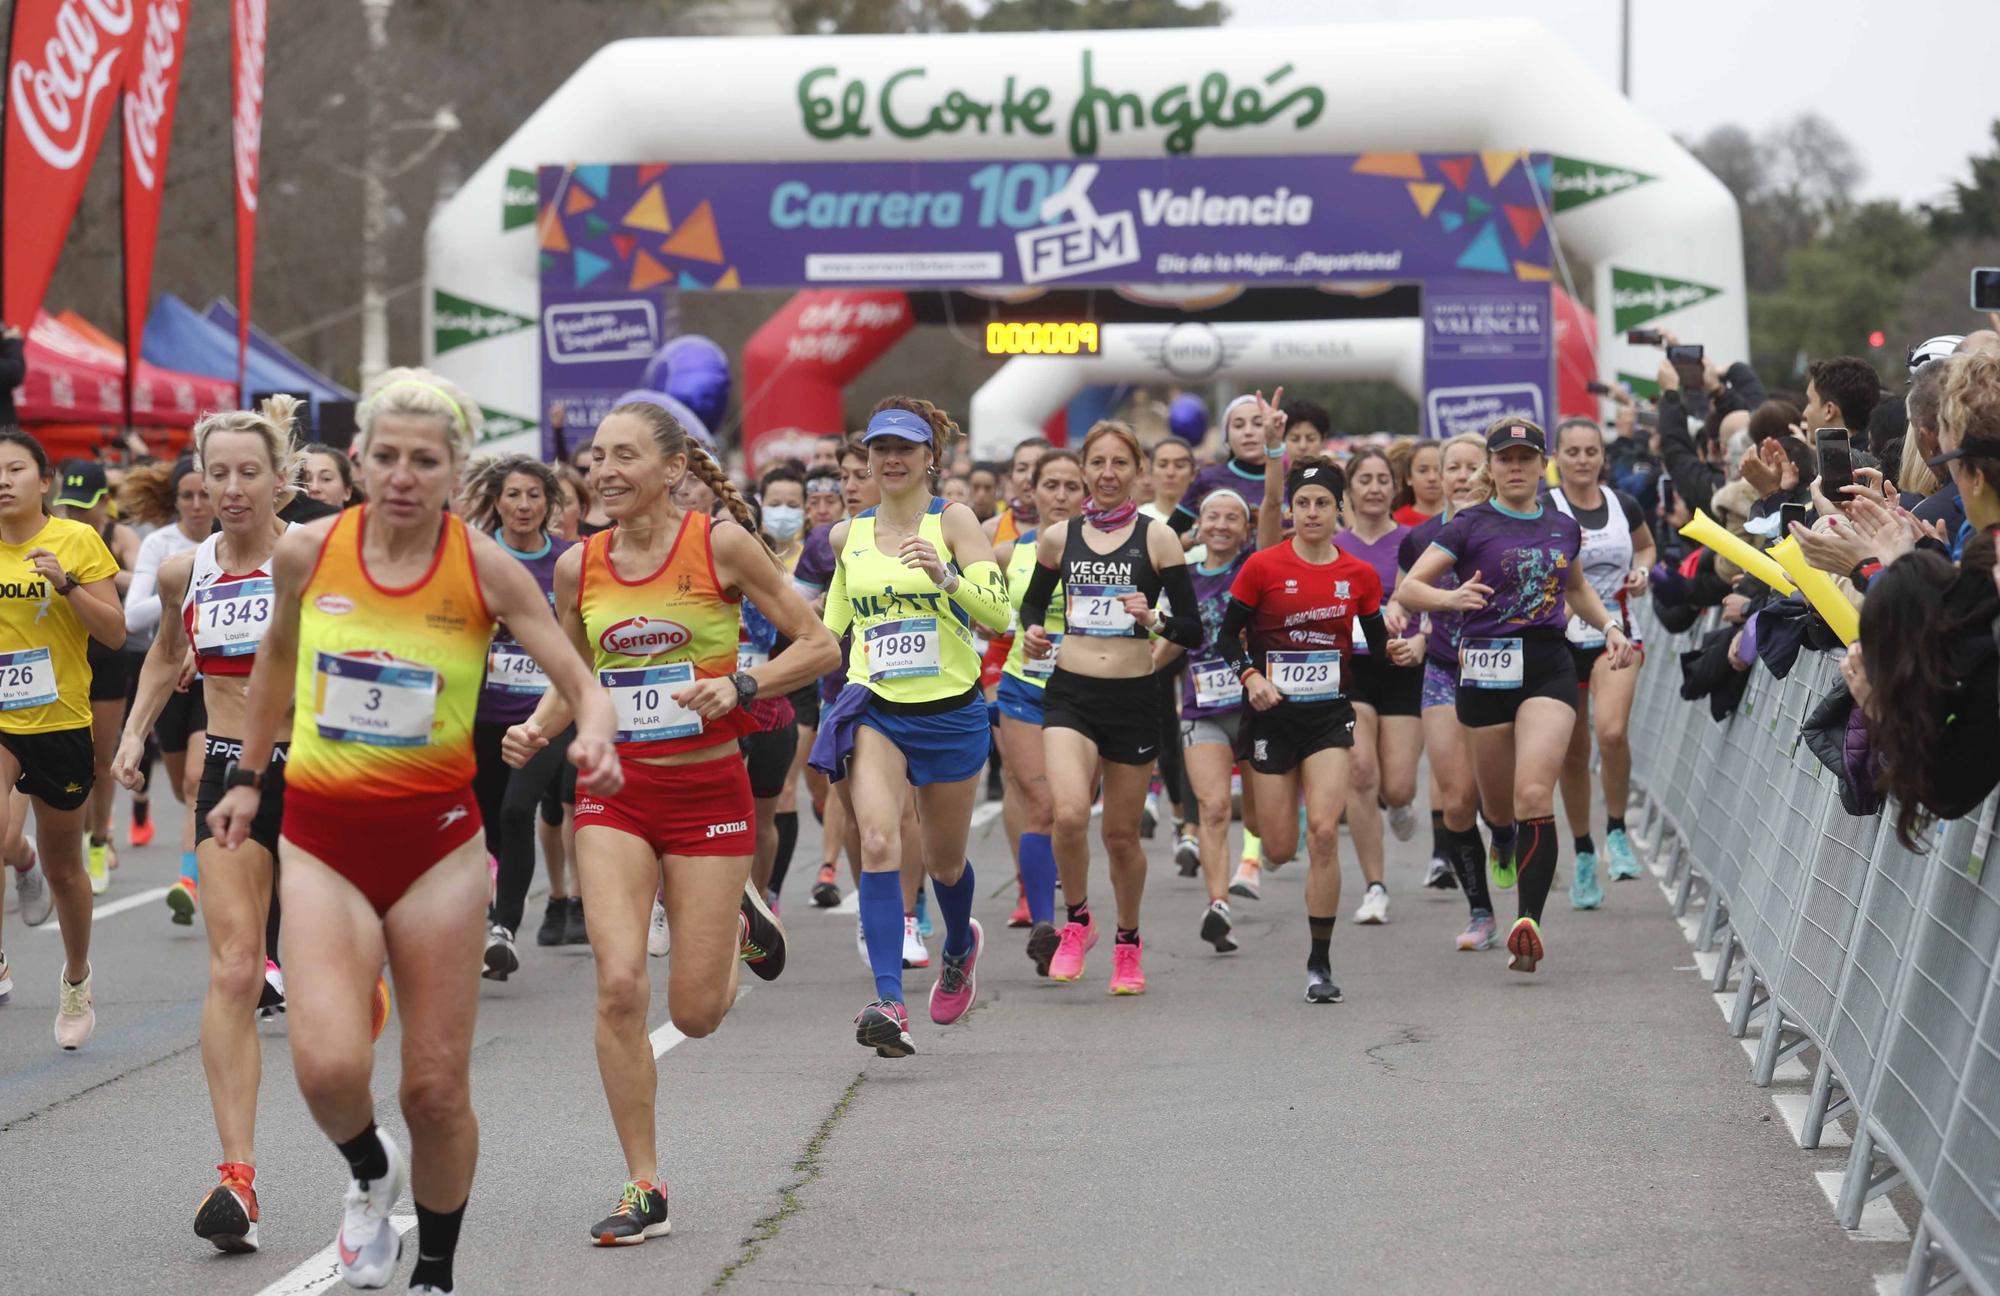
(1840, 288)
(1789, 183)
(878, 17)
(1974, 210)
(1097, 15)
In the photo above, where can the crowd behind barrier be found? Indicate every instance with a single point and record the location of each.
(1884, 963)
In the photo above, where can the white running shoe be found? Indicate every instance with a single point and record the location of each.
(33, 888)
(368, 1244)
(6, 980)
(75, 1018)
(656, 936)
(915, 955)
(1403, 821)
(502, 960)
(1248, 882)
(1373, 910)
(1149, 816)
(861, 943)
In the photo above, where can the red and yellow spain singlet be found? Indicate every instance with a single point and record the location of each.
(651, 637)
(388, 679)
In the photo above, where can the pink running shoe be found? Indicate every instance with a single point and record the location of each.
(951, 997)
(1078, 940)
(1127, 977)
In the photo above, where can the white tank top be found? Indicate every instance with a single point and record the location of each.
(1606, 556)
(226, 613)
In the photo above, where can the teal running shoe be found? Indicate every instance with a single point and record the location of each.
(1618, 856)
(1585, 891)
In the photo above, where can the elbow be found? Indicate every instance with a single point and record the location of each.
(825, 651)
(116, 638)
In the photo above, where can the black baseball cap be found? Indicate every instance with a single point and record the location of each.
(83, 483)
(1981, 446)
(1516, 434)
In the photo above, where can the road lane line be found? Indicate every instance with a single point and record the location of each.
(322, 1271)
(115, 907)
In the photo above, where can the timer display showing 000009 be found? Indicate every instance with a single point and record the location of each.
(1004, 338)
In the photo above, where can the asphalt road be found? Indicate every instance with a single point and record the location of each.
(1450, 1127)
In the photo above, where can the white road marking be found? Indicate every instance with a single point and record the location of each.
(1889, 1284)
(1792, 1106)
(1705, 964)
(667, 1036)
(103, 911)
(1879, 1219)
(322, 1271)
(850, 903)
(1727, 1003)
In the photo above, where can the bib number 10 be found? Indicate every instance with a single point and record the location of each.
(642, 697)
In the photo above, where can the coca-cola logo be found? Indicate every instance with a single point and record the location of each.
(146, 106)
(249, 98)
(644, 637)
(55, 99)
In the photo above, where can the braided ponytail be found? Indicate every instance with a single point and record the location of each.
(673, 439)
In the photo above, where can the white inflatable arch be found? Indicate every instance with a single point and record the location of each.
(1654, 233)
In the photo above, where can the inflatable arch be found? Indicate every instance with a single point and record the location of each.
(1654, 235)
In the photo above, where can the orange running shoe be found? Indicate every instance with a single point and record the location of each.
(228, 1215)
(141, 833)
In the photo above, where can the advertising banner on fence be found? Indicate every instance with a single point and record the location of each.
(153, 82)
(1489, 351)
(1358, 217)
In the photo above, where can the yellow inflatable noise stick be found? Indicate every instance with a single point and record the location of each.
(1705, 530)
(1841, 616)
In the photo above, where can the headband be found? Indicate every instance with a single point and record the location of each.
(1245, 399)
(822, 485)
(439, 392)
(1224, 493)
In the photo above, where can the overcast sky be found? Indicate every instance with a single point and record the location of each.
(1915, 86)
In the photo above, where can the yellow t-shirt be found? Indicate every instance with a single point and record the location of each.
(42, 642)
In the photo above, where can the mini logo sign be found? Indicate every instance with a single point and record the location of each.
(644, 637)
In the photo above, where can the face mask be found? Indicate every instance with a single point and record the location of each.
(783, 521)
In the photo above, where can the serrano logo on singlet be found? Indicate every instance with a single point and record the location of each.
(334, 604)
(644, 637)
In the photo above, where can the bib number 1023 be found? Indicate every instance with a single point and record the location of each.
(1305, 676)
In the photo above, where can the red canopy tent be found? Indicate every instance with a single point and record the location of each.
(74, 390)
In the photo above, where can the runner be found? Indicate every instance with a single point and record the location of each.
(1458, 857)
(771, 752)
(1169, 470)
(1420, 495)
(1517, 681)
(1018, 514)
(1058, 486)
(823, 509)
(329, 476)
(57, 596)
(85, 497)
(381, 623)
(1211, 707)
(512, 498)
(222, 592)
(161, 494)
(1298, 600)
(653, 604)
(1102, 702)
(812, 574)
(1617, 554)
(1387, 694)
(911, 714)
(1243, 426)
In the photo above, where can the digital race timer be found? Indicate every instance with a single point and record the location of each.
(1007, 338)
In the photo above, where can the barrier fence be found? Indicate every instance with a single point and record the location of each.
(1884, 963)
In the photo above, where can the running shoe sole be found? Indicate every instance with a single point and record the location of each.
(223, 1221)
(826, 895)
(1215, 930)
(182, 905)
(1187, 856)
(1238, 889)
(884, 1034)
(1524, 947)
(661, 1229)
(1322, 992)
(772, 963)
(501, 962)
(1043, 942)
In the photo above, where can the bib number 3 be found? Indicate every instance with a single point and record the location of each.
(375, 703)
(1491, 663)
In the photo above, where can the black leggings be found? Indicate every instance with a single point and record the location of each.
(1173, 770)
(508, 799)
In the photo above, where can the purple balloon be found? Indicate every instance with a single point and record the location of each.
(1187, 418)
(695, 372)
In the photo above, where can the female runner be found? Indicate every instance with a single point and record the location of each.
(1058, 487)
(382, 616)
(653, 604)
(512, 498)
(1459, 858)
(1617, 553)
(1243, 424)
(911, 714)
(1299, 600)
(160, 494)
(1517, 681)
(222, 592)
(84, 497)
(1100, 709)
(329, 476)
(57, 596)
(1212, 734)
(1422, 495)
(1387, 693)
(782, 513)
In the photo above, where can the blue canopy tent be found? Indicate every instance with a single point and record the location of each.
(222, 314)
(177, 337)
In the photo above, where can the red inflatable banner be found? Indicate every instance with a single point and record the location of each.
(246, 79)
(65, 68)
(798, 365)
(152, 84)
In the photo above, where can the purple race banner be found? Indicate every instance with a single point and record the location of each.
(1368, 217)
(1489, 352)
(595, 346)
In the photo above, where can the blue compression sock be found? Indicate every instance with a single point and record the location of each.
(882, 928)
(190, 866)
(1038, 876)
(955, 903)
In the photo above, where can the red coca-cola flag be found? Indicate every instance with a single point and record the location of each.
(246, 79)
(65, 67)
(152, 84)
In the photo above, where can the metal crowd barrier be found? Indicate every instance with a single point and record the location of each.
(1883, 963)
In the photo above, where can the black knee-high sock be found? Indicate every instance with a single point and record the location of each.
(1440, 843)
(1503, 834)
(1535, 846)
(271, 925)
(437, 1243)
(1322, 941)
(787, 823)
(1467, 854)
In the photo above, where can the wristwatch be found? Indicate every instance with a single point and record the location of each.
(746, 687)
(235, 776)
(69, 583)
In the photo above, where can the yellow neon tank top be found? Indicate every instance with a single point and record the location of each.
(388, 679)
(911, 642)
(1021, 570)
(653, 636)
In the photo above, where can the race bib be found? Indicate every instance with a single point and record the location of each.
(1490, 663)
(1041, 667)
(229, 618)
(902, 649)
(641, 697)
(1580, 633)
(510, 669)
(1305, 676)
(750, 656)
(376, 703)
(1215, 684)
(27, 679)
(1097, 610)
